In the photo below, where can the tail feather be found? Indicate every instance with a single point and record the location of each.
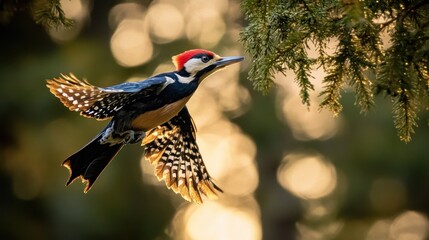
(90, 161)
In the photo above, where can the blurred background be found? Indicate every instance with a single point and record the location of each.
(288, 171)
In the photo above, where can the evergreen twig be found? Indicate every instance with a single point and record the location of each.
(279, 31)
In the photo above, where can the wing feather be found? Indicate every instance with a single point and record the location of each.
(101, 103)
(172, 148)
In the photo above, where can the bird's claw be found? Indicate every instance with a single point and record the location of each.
(131, 136)
(126, 137)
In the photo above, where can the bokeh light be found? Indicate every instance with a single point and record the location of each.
(379, 230)
(217, 220)
(229, 94)
(306, 122)
(162, 23)
(78, 12)
(409, 225)
(124, 11)
(165, 22)
(205, 24)
(227, 151)
(307, 176)
(205, 27)
(130, 44)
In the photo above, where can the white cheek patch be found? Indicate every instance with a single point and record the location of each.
(194, 65)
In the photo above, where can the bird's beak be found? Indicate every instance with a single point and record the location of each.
(225, 61)
(220, 63)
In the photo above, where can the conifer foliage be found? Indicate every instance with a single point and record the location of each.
(48, 13)
(279, 33)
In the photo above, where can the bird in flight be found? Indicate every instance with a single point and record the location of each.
(152, 112)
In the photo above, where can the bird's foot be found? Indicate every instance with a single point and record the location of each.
(110, 136)
(131, 136)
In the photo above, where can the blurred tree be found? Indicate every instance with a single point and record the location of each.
(48, 13)
(280, 32)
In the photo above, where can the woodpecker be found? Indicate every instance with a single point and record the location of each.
(153, 112)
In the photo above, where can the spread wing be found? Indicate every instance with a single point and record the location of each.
(172, 148)
(101, 103)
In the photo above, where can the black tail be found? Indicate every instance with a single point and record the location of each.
(90, 161)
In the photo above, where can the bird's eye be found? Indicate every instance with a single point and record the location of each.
(205, 59)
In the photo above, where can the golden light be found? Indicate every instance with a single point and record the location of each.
(148, 175)
(165, 22)
(123, 11)
(224, 86)
(205, 24)
(307, 176)
(410, 225)
(233, 159)
(205, 27)
(386, 38)
(130, 43)
(307, 123)
(228, 153)
(213, 220)
(73, 8)
(221, 6)
(163, 67)
(379, 230)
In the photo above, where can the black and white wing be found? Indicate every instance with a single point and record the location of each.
(101, 103)
(172, 148)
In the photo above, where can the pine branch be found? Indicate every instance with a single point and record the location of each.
(50, 14)
(363, 88)
(279, 30)
(302, 70)
(405, 115)
(257, 36)
(332, 92)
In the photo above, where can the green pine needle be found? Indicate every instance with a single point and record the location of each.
(279, 31)
(49, 13)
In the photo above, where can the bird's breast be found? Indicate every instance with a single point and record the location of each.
(154, 118)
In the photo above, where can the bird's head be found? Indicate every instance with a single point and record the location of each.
(200, 63)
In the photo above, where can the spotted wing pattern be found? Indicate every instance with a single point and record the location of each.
(77, 95)
(172, 148)
(100, 103)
